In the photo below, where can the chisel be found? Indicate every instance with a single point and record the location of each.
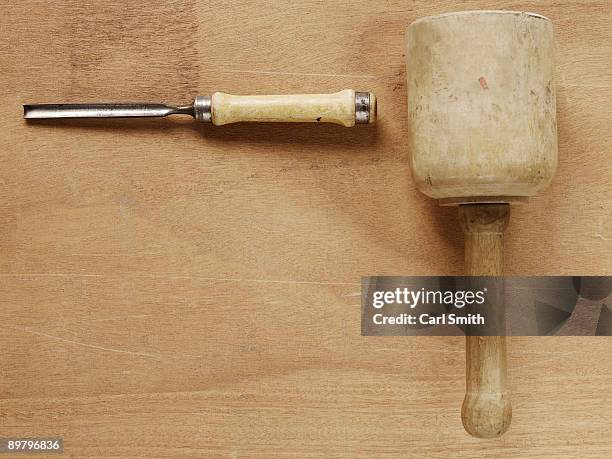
(346, 107)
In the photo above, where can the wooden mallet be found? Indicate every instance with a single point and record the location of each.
(481, 106)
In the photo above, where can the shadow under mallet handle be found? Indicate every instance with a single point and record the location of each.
(486, 411)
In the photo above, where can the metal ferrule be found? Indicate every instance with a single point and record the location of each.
(362, 107)
(202, 109)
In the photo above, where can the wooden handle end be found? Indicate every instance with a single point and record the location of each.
(486, 415)
(486, 410)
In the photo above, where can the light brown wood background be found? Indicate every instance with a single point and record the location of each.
(169, 288)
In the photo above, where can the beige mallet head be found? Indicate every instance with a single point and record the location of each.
(481, 105)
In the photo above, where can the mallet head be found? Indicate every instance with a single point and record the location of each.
(481, 105)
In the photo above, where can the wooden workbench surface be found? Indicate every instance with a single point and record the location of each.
(171, 288)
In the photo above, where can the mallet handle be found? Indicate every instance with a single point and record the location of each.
(486, 410)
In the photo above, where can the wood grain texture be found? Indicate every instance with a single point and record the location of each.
(169, 288)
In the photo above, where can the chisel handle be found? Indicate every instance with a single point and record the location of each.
(486, 411)
(345, 107)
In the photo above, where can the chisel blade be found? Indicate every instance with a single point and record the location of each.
(103, 110)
